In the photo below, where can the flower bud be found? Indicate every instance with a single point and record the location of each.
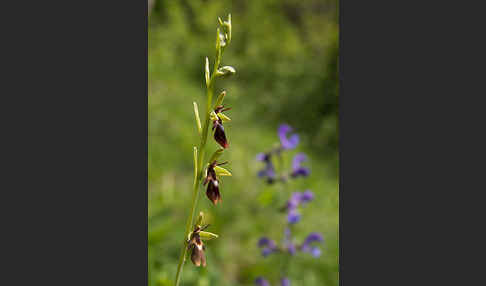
(225, 71)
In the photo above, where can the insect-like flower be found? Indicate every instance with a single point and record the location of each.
(212, 191)
(297, 169)
(285, 282)
(197, 247)
(290, 142)
(268, 246)
(218, 119)
(269, 171)
(307, 246)
(260, 281)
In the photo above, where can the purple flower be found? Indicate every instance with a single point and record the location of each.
(260, 281)
(268, 246)
(267, 251)
(264, 241)
(297, 169)
(313, 250)
(290, 142)
(316, 251)
(298, 198)
(307, 196)
(285, 282)
(293, 217)
(314, 237)
(261, 157)
(269, 170)
(294, 201)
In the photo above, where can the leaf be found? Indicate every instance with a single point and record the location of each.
(195, 163)
(206, 72)
(207, 235)
(221, 171)
(198, 120)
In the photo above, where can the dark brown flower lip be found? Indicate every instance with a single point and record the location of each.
(219, 134)
(197, 247)
(213, 193)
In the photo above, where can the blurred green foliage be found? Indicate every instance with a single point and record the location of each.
(285, 53)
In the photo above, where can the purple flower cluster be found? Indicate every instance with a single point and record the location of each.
(286, 143)
(288, 140)
(267, 245)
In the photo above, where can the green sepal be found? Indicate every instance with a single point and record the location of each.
(207, 235)
(224, 117)
(221, 171)
(220, 98)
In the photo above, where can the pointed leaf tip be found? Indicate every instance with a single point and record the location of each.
(221, 171)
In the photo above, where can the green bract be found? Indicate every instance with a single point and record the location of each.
(221, 171)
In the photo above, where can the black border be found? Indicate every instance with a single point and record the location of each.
(75, 101)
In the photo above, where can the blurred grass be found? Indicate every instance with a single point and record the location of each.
(285, 54)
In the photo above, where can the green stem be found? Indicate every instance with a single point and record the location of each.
(182, 257)
(198, 177)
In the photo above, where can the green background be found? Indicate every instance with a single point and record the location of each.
(285, 54)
